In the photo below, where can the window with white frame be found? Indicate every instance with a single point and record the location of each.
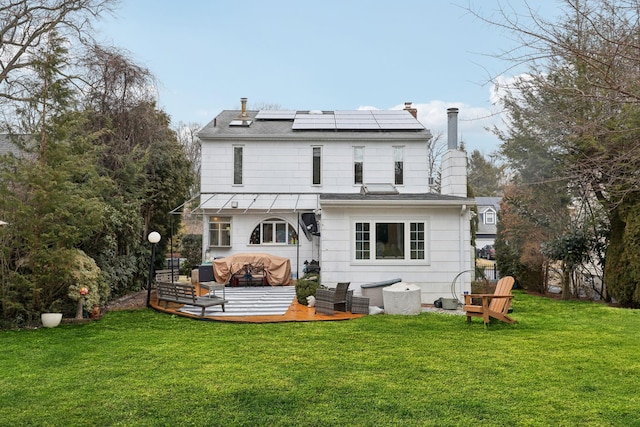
(392, 240)
(273, 231)
(358, 165)
(489, 217)
(363, 240)
(398, 165)
(417, 238)
(316, 165)
(219, 232)
(237, 165)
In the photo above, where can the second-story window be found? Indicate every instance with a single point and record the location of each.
(358, 165)
(398, 162)
(489, 217)
(237, 165)
(317, 166)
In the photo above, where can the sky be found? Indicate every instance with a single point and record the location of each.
(323, 55)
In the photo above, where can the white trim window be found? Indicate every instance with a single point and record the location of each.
(391, 240)
(363, 240)
(274, 231)
(219, 232)
(358, 165)
(316, 165)
(398, 165)
(237, 164)
(489, 217)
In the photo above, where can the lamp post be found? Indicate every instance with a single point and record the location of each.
(154, 237)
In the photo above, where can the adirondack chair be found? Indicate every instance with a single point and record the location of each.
(330, 300)
(494, 305)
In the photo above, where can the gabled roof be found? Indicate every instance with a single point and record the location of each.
(290, 124)
(493, 202)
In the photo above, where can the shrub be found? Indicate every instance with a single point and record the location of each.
(307, 286)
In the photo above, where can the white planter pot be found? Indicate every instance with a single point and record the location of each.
(51, 320)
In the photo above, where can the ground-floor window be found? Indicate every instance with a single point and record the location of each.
(273, 231)
(219, 231)
(392, 240)
(363, 240)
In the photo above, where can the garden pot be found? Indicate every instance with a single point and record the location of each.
(50, 320)
(449, 303)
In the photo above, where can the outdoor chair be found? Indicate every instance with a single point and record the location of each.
(494, 305)
(330, 300)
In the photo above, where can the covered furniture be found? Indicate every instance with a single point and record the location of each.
(330, 300)
(250, 275)
(494, 305)
(277, 270)
(402, 298)
(374, 291)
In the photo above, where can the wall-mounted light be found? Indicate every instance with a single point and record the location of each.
(234, 204)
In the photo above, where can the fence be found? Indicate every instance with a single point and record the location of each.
(489, 272)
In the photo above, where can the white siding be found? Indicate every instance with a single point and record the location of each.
(286, 166)
(447, 250)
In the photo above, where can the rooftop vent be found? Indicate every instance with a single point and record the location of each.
(243, 120)
(378, 189)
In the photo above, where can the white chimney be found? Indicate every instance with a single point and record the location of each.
(453, 167)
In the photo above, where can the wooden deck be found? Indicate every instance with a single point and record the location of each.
(296, 313)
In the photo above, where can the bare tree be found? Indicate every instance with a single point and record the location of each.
(25, 26)
(579, 99)
(435, 149)
(188, 138)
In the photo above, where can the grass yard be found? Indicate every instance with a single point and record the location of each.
(562, 364)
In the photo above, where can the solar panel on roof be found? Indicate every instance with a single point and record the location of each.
(352, 112)
(314, 121)
(396, 120)
(276, 115)
(358, 120)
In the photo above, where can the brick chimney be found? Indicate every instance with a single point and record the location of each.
(409, 108)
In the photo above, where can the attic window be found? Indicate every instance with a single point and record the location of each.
(241, 123)
(378, 189)
(489, 217)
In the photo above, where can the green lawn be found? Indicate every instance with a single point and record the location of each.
(561, 364)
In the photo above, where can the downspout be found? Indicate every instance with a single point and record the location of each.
(463, 212)
(298, 250)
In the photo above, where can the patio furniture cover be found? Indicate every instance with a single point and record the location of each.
(277, 269)
(402, 298)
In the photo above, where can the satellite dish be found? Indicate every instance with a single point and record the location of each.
(309, 225)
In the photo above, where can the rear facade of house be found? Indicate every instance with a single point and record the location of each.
(347, 189)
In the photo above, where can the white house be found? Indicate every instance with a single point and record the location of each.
(348, 189)
(488, 208)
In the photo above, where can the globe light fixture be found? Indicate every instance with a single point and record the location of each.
(154, 238)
